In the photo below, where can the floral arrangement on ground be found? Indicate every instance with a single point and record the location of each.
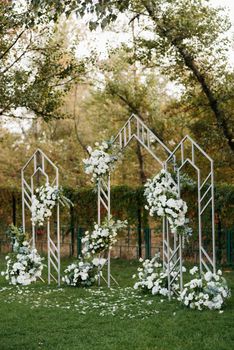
(162, 200)
(151, 277)
(44, 201)
(24, 265)
(83, 273)
(205, 291)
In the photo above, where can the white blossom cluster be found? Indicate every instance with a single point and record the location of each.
(162, 200)
(151, 277)
(80, 274)
(101, 160)
(103, 237)
(206, 291)
(43, 202)
(24, 265)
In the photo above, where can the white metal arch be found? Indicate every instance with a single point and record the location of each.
(172, 253)
(205, 192)
(39, 163)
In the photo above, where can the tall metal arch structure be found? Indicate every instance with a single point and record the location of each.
(188, 152)
(40, 167)
(135, 128)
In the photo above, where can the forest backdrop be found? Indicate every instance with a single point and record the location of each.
(72, 72)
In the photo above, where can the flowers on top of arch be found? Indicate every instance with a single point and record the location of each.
(162, 199)
(102, 159)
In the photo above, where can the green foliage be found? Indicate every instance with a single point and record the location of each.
(16, 234)
(38, 67)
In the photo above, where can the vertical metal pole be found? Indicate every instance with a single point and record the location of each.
(58, 241)
(48, 248)
(99, 203)
(32, 191)
(23, 204)
(213, 216)
(181, 264)
(164, 225)
(108, 216)
(168, 263)
(199, 219)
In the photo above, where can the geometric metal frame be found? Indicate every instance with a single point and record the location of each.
(28, 187)
(135, 128)
(205, 193)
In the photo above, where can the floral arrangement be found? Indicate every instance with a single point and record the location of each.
(205, 291)
(102, 238)
(83, 273)
(24, 265)
(162, 199)
(151, 277)
(101, 160)
(43, 202)
(80, 274)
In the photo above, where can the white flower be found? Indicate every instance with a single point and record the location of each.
(193, 270)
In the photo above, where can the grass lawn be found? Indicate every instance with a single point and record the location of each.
(47, 317)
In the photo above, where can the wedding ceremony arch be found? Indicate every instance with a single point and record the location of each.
(39, 169)
(172, 161)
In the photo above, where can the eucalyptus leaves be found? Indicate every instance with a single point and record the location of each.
(162, 199)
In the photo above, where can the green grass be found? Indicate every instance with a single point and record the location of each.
(47, 317)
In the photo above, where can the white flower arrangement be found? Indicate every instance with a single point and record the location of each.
(24, 265)
(43, 202)
(162, 199)
(102, 238)
(80, 274)
(151, 277)
(102, 160)
(205, 291)
(83, 273)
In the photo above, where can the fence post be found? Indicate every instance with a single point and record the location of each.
(72, 228)
(147, 235)
(79, 243)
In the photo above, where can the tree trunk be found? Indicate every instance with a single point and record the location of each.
(190, 63)
(142, 175)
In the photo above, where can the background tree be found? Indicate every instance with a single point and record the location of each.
(188, 41)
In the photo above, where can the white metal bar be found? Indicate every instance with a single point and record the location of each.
(204, 208)
(99, 204)
(54, 246)
(58, 241)
(199, 217)
(209, 188)
(54, 266)
(204, 264)
(120, 141)
(149, 150)
(104, 194)
(205, 180)
(27, 185)
(48, 248)
(213, 216)
(129, 131)
(104, 204)
(125, 136)
(207, 256)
